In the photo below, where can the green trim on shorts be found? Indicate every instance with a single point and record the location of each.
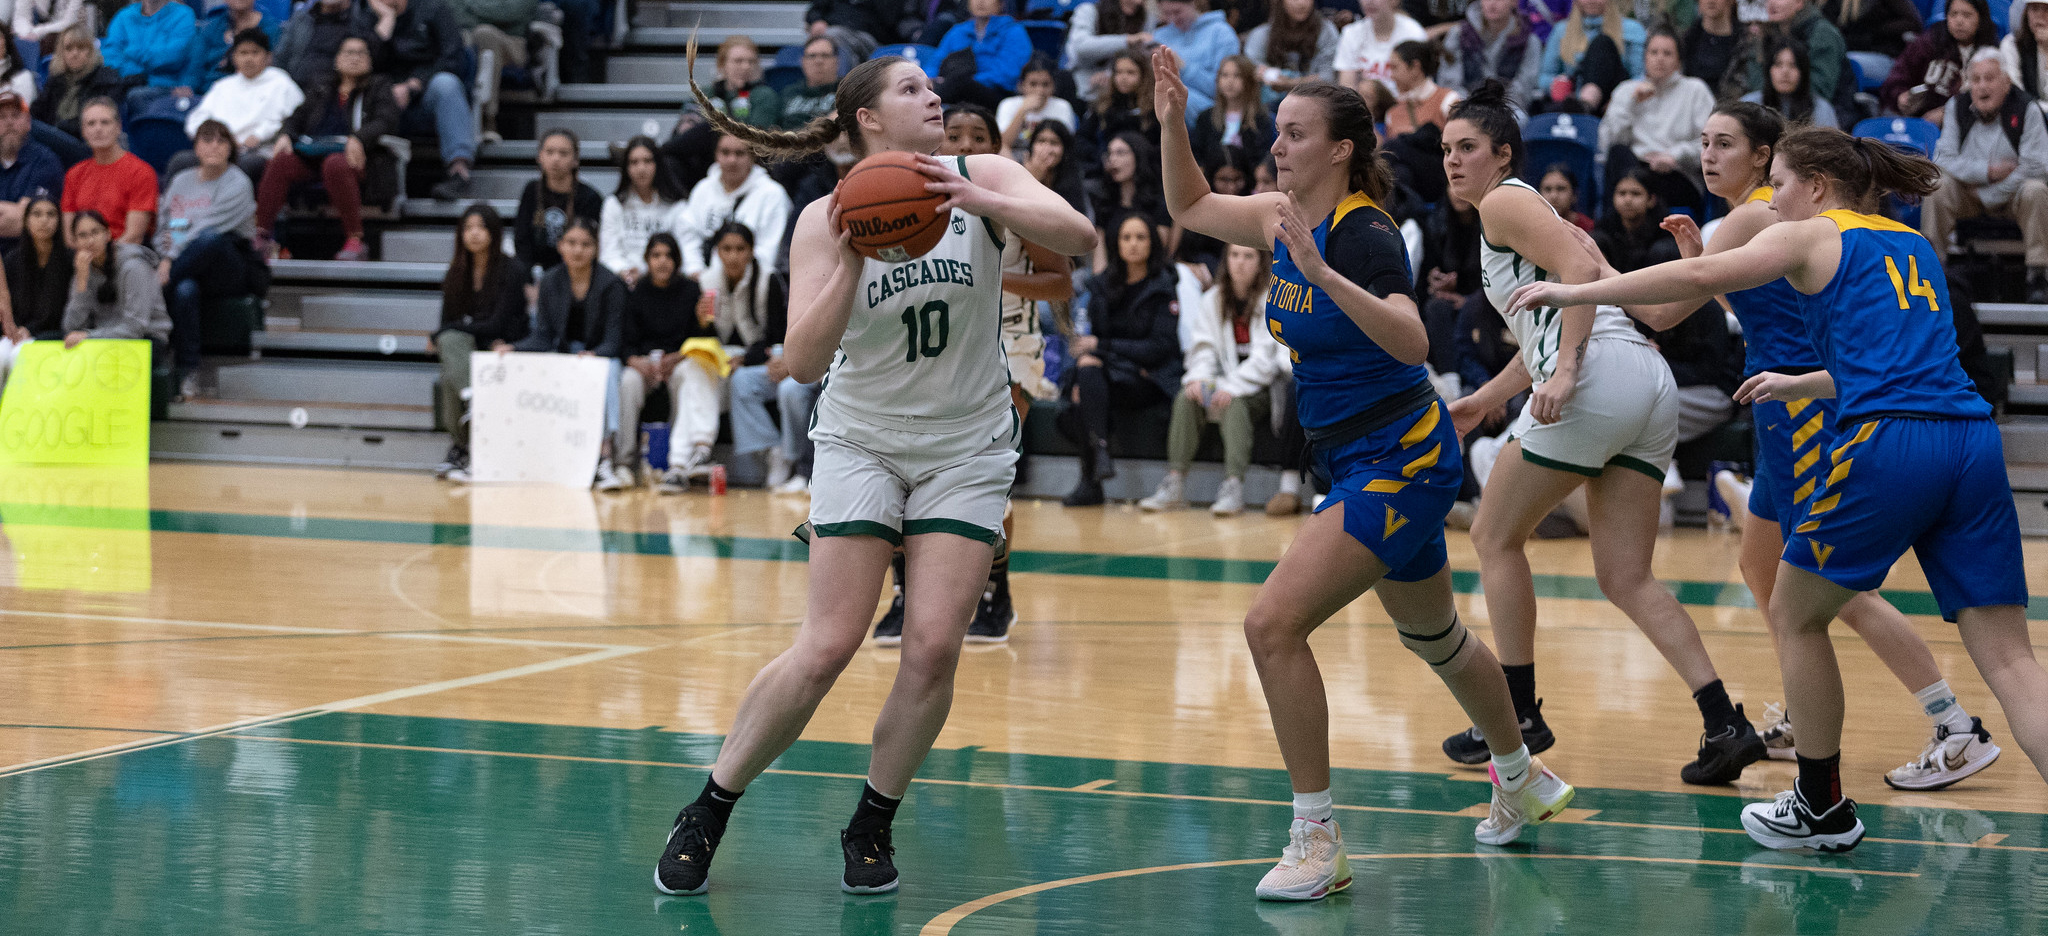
(1538, 460)
(1632, 462)
(880, 531)
(979, 534)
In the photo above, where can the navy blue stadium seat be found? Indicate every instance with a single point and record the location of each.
(157, 132)
(925, 56)
(783, 77)
(1048, 38)
(1571, 139)
(1907, 133)
(789, 56)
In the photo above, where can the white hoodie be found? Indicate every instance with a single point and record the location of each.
(625, 226)
(1214, 355)
(250, 107)
(759, 203)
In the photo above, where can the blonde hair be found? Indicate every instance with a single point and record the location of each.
(79, 34)
(1575, 39)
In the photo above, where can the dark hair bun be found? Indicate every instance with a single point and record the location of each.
(1490, 93)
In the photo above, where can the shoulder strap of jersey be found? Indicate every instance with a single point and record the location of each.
(986, 224)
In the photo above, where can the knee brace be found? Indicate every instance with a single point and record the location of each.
(1446, 650)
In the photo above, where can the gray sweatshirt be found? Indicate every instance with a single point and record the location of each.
(138, 308)
(193, 206)
(1969, 158)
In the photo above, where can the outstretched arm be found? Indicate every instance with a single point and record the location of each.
(1245, 220)
(1007, 194)
(1738, 228)
(1781, 250)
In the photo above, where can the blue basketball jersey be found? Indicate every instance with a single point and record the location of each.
(1883, 326)
(1341, 371)
(1773, 331)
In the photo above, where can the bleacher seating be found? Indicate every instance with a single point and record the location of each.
(1571, 139)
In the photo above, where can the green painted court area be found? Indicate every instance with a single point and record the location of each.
(348, 823)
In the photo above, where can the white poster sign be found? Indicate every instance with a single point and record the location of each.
(536, 418)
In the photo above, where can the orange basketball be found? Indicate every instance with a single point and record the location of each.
(884, 203)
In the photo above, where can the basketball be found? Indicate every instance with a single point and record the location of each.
(884, 202)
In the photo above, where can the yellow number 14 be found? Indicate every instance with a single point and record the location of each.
(1911, 282)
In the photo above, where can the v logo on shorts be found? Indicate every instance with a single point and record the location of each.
(1821, 552)
(1394, 523)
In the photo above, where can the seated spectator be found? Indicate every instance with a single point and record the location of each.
(1295, 45)
(28, 170)
(76, 76)
(582, 24)
(750, 317)
(1097, 32)
(819, 93)
(550, 204)
(1227, 376)
(1561, 189)
(1655, 122)
(1800, 21)
(207, 218)
(647, 202)
(1418, 100)
(1033, 104)
(1930, 70)
(2024, 50)
(38, 284)
(1594, 50)
(580, 310)
(979, 60)
(500, 27)
(15, 75)
(36, 21)
(121, 187)
(1055, 165)
(1130, 184)
(1238, 118)
(1629, 234)
(252, 104)
(1451, 274)
(1126, 107)
(739, 191)
(1994, 161)
(858, 27)
(1710, 44)
(210, 55)
(1203, 38)
(1788, 89)
(1265, 177)
(114, 292)
(418, 45)
(661, 313)
(338, 129)
(483, 304)
(970, 128)
(1365, 49)
(309, 39)
(1130, 359)
(1493, 41)
(1874, 31)
(146, 44)
(738, 92)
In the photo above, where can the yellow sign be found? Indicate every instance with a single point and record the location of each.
(87, 405)
(75, 528)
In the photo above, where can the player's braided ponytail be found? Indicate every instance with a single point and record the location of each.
(861, 87)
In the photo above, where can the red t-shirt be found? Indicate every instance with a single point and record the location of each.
(124, 185)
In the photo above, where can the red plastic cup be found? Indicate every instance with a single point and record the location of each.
(718, 480)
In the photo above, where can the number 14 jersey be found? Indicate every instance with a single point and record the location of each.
(924, 343)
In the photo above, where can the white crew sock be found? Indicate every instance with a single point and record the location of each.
(1315, 807)
(1939, 702)
(1290, 482)
(1514, 765)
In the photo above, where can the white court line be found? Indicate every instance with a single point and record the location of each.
(288, 629)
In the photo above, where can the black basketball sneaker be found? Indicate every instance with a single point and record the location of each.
(870, 860)
(685, 865)
(889, 630)
(993, 615)
(1788, 822)
(1469, 746)
(1724, 754)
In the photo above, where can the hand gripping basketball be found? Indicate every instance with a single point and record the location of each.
(892, 206)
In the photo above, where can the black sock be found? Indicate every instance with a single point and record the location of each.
(1715, 708)
(874, 809)
(719, 799)
(1522, 687)
(1820, 781)
(896, 563)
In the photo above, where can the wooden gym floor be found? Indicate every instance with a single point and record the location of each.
(246, 700)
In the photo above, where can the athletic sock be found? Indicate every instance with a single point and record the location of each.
(1315, 807)
(1820, 782)
(1290, 482)
(896, 563)
(1939, 702)
(1522, 687)
(718, 799)
(1512, 771)
(1715, 708)
(875, 809)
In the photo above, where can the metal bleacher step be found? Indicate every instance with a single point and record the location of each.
(522, 152)
(324, 383)
(318, 309)
(358, 272)
(427, 209)
(340, 341)
(709, 36)
(672, 94)
(263, 443)
(302, 413)
(660, 69)
(748, 13)
(2026, 442)
(608, 125)
(422, 245)
(506, 182)
(2004, 315)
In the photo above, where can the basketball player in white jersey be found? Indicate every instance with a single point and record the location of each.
(916, 446)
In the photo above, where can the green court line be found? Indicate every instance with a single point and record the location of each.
(778, 549)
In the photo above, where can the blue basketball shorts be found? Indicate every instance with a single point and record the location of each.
(1792, 443)
(1396, 485)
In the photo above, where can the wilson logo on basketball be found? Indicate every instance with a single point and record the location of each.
(880, 227)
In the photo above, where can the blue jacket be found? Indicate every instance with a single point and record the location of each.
(206, 56)
(1202, 48)
(1633, 38)
(999, 54)
(152, 46)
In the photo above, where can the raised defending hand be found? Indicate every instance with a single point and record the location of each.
(1687, 232)
(1169, 95)
(1299, 235)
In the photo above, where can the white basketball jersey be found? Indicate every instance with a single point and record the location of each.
(924, 342)
(1539, 330)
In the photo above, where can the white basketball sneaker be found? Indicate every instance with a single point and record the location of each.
(1777, 733)
(1540, 801)
(1949, 757)
(1311, 867)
